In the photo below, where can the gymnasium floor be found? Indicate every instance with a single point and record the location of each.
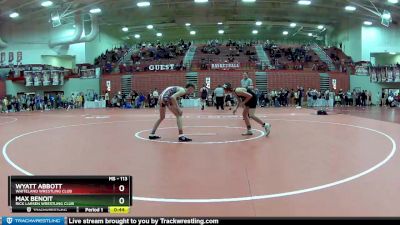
(343, 164)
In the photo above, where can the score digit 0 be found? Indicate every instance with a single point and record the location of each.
(121, 188)
(121, 200)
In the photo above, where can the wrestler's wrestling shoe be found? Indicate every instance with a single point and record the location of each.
(184, 139)
(154, 137)
(267, 128)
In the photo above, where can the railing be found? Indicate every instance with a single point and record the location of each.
(187, 61)
(324, 57)
(127, 54)
(264, 59)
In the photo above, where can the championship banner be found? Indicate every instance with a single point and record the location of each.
(384, 74)
(215, 66)
(55, 78)
(19, 57)
(11, 57)
(162, 67)
(46, 78)
(390, 75)
(37, 79)
(28, 79)
(397, 74)
(2, 57)
(362, 70)
(61, 78)
(374, 77)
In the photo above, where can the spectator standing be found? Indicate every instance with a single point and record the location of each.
(83, 100)
(301, 94)
(107, 98)
(155, 96)
(5, 104)
(203, 95)
(219, 97)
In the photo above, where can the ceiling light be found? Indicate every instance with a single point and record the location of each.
(293, 25)
(393, 1)
(125, 29)
(55, 18)
(321, 27)
(368, 23)
(47, 3)
(96, 10)
(258, 23)
(187, 24)
(192, 32)
(221, 32)
(159, 34)
(220, 23)
(285, 32)
(14, 15)
(310, 34)
(150, 27)
(304, 2)
(248, 0)
(255, 31)
(143, 4)
(350, 8)
(137, 36)
(386, 15)
(200, 1)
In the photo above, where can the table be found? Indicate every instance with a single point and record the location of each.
(95, 104)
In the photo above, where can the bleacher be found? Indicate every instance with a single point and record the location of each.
(158, 57)
(235, 55)
(303, 58)
(339, 58)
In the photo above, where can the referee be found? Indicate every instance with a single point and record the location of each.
(246, 82)
(219, 97)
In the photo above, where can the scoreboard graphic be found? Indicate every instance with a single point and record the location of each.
(75, 194)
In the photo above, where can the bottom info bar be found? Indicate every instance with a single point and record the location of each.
(138, 221)
(103, 221)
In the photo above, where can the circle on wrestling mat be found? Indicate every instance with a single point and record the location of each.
(260, 135)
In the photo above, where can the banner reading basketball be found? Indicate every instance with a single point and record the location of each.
(225, 66)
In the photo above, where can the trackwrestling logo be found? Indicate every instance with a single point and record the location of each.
(33, 220)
